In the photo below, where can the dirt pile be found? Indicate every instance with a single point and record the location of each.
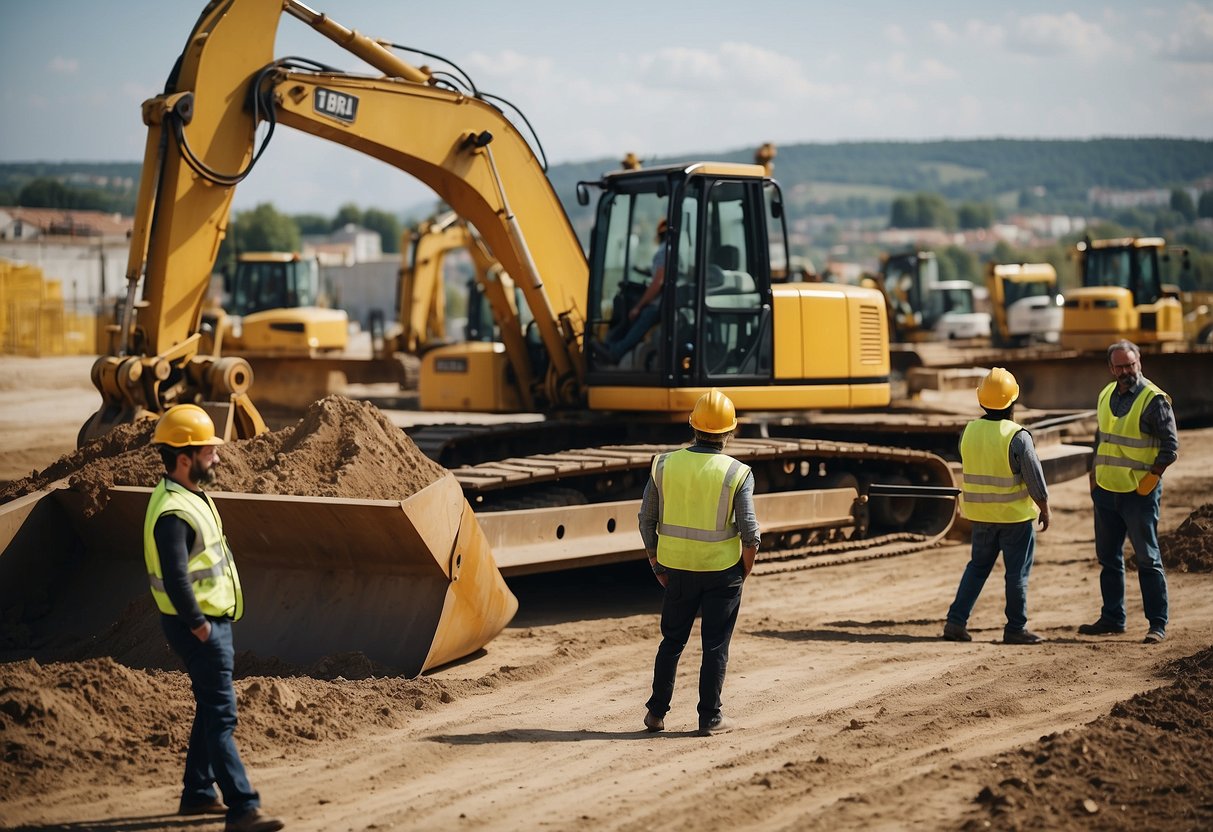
(340, 448)
(97, 722)
(1147, 765)
(1190, 547)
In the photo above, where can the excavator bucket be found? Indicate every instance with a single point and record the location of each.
(410, 584)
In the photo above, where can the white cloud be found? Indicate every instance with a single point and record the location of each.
(900, 69)
(942, 31)
(63, 66)
(895, 35)
(1192, 40)
(1060, 36)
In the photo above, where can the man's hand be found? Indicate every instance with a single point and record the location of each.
(1045, 516)
(663, 579)
(633, 313)
(203, 631)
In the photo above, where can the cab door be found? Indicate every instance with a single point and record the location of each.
(721, 305)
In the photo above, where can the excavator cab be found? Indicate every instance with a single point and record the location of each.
(709, 322)
(1122, 295)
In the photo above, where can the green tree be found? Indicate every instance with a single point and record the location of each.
(1181, 201)
(348, 214)
(313, 223)
(962, 264)
(903, 213)
(975, 215)
(45, 193)
(262, 229)
(1204, 207)
(387, 225)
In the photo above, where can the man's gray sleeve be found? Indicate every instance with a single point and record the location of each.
(1158, 420)
(648, 516)
(743, 509)
(1024, 462)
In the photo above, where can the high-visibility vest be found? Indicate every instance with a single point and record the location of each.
(1125, 454)
(991, 491)
(697, 529)
(210, 568)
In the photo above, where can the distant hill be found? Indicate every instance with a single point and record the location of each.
(850, 178)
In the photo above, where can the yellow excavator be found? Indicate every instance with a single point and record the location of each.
(567, 493)
(1025, 303)
(1123, 295)
(421, 291)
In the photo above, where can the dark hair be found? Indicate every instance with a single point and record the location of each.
(169, 454)
(1127, 346)
(716, 440)
(1004, 413)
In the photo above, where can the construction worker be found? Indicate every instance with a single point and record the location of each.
(1136, 441)
(643, 316)
(1003, 489)
(699, 530)
(197, 590)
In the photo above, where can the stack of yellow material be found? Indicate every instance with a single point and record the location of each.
(33, 320)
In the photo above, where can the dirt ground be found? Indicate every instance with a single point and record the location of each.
(853, 714)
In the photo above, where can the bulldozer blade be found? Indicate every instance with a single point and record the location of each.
(410, 584)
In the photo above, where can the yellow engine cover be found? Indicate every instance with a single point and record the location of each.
(472, 376)
(1096, 316)
(302, 330)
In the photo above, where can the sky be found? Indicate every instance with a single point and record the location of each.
(598, 80)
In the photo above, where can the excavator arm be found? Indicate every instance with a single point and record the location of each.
(202, 141)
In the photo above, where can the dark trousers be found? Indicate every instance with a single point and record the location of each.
(212, 756)
(1017, 542)
(718, 595)
(1131, 515)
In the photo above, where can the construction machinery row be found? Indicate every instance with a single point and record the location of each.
(417, 583)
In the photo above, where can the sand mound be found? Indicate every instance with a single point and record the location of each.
(340, 448)
(95, 722)
(1190, 547)
(1147, 765)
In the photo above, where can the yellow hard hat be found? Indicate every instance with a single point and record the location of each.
(714, 413)
(185, 424)
(998, 389)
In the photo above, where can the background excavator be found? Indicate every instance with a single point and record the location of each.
(422, 293)
(1025, 304)
(1130, 290)
(272, 317)
(566, 494)
(920, 306)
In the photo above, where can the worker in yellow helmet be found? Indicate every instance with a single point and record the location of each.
(197, 590)
(700, 532)
(1137, 440)
(1003, 490)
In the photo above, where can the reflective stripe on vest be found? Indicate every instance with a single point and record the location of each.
(697, 529)
(1125, 454)
(210, 569)
(991, 492)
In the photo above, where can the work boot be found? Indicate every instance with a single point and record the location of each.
(1155, 636)
(653, 723)
(955, 632)
(1020, 637)
(1100, 628)
(201, 807)
(254, 820)
(719, 724)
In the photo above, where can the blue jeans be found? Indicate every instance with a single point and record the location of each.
(623, 338)
(718, 595)
(212, 755)
(1017, 542)
(1132, 515)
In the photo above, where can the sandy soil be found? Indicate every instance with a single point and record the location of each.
(853, 714)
